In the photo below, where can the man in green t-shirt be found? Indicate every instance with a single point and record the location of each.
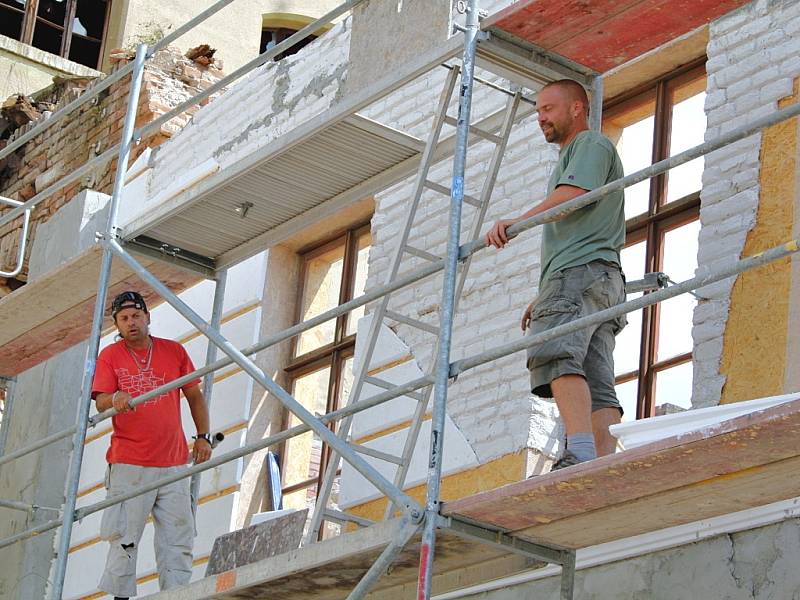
(580, 275)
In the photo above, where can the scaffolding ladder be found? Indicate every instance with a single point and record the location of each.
(382, 314)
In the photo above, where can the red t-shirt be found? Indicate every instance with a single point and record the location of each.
(152, 434)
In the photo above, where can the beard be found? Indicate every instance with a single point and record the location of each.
(551, 134)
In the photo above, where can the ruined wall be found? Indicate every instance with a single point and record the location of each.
(25, 69)
(747, 205)
(235, 30)
(96, 126)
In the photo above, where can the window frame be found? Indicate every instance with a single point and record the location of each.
(333, 355)
(31, 18)
(651, 226)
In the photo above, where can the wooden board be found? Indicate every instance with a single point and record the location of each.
(738, 464)
(603, 34)
(54, 312)
(332, 568)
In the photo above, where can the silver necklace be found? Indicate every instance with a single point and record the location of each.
(143, 364)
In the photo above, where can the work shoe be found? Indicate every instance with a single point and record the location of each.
(567, 460)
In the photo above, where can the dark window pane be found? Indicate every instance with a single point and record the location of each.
(90, 16)
(47, 38)
(272, 36)
(84, 51)
(10, 22)
(52, 11)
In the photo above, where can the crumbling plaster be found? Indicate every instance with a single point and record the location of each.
(235, 30)
(264, 105)
(752, 61)
(756, 564)
(25, 69)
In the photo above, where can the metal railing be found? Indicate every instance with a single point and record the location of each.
(412, 515)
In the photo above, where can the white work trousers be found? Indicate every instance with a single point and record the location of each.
(122, 525)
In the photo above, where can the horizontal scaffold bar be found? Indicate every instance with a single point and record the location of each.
(456, 368)
(436, 266)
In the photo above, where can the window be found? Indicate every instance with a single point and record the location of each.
(74, 29)
(653, 357)
(272, 36)
(321, 371)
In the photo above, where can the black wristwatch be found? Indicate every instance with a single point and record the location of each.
(202, 436)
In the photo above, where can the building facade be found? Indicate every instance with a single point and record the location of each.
(42, 39)
(691, 352)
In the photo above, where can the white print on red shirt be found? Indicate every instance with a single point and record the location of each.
(141, 383)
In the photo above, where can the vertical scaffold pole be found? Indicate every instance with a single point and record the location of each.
(84, 406)
(471, 34)
(596, 104)
(9, 383)
(220, 281)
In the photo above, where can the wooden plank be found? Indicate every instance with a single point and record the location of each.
(548, 24)
(603, 34)
(331, 569)
(725, 494)
(745, 459)
(54, 312)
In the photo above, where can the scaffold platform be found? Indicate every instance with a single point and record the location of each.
(738, 464)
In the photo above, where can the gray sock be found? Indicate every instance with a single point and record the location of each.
(582, 446)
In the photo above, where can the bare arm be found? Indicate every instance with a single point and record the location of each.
(199, 410)
(119, 400)
(497, 237)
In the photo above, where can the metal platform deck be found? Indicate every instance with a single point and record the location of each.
(334, 161)
(742, 463)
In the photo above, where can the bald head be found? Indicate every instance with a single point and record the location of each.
(572, 92)
(563, 108)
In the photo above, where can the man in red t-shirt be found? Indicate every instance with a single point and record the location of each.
(147, 444)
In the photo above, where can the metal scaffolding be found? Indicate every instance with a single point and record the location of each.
(414, 518)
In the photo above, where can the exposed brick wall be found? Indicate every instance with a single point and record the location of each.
(752, 61)
(169, 79)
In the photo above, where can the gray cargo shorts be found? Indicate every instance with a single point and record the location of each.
(568, 295)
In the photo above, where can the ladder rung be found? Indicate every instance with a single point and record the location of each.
(437, 187)
(422, 254)
(390, 386)
(412, 322)
(390, 458)
(476, 130)
(340, 517)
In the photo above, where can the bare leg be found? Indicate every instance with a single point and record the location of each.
(601, 420)
(574, 403)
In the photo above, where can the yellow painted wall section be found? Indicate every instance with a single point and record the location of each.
(754, 350)
(501, 471)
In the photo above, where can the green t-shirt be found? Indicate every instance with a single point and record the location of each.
(594, 232)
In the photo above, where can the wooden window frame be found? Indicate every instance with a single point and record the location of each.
(334, 354)
(30, 18)
(652, 226)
